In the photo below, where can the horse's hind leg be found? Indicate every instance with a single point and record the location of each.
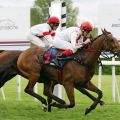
(6, 76)
(93, 88)
(29, 90)
(85, 92)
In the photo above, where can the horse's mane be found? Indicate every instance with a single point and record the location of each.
(99, 36)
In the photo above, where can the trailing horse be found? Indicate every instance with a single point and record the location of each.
(8, 65)
(76, 73)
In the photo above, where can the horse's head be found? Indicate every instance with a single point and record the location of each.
(110, 43)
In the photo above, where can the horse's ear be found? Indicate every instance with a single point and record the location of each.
(103, 31)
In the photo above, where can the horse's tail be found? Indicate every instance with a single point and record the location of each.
(8, 71)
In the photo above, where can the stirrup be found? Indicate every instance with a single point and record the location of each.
(55, 61)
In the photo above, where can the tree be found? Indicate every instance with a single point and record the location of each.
(40, 12)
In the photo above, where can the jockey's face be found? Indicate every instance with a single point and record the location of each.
(54, 26)
(85, 32)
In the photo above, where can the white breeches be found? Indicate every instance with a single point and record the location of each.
(62, 44)
(38, 42)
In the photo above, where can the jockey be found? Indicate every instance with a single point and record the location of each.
(42, 34)
(72, 38)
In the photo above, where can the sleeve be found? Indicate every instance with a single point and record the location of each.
(74, 36)
(48, 38)
(35, 31)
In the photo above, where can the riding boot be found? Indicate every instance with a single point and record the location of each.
(66, 53)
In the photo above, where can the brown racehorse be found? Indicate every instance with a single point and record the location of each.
(8, 70)
(76, 73)
(8, 67)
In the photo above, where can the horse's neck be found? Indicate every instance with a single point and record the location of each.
(91, 57)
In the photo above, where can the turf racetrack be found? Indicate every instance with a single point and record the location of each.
(29, 109)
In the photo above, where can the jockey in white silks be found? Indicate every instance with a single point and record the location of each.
(72, 38)
(42, 34)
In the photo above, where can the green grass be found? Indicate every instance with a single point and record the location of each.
(28, 109)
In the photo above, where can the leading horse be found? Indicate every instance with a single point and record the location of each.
(8, 70)
(76, 73)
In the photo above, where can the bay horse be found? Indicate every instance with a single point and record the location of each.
(8, 65)
(76, 73)
(8, 70)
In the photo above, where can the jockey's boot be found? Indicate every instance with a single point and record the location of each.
(65, 53)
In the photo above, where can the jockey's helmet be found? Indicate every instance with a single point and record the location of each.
(54, 20)
(87, 26)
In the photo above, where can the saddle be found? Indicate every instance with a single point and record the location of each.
(51, 57)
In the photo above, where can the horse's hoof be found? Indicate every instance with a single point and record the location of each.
(44, 108)
(102, 103)
(87, 111)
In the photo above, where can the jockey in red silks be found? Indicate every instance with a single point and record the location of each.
(42, 34)
(72, 38)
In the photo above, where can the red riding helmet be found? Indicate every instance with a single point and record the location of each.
(53, 19)
(87, 26)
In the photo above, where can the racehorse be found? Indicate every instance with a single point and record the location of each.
(8, 65)
(76, 73)
(8, 70)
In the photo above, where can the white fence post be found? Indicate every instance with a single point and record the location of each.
(19, 87)
(3, 94)
(113, 82)
(36, 89)
(115, 89)
(99, 76)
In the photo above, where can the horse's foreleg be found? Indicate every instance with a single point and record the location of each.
(93, 88)
(49, 99)
(70, 93)
(30, 91)
(48, 92)
(85, 92)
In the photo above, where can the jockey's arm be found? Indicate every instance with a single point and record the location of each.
(74, 43)
(36, 32)
(87, 41)
(48, 38)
